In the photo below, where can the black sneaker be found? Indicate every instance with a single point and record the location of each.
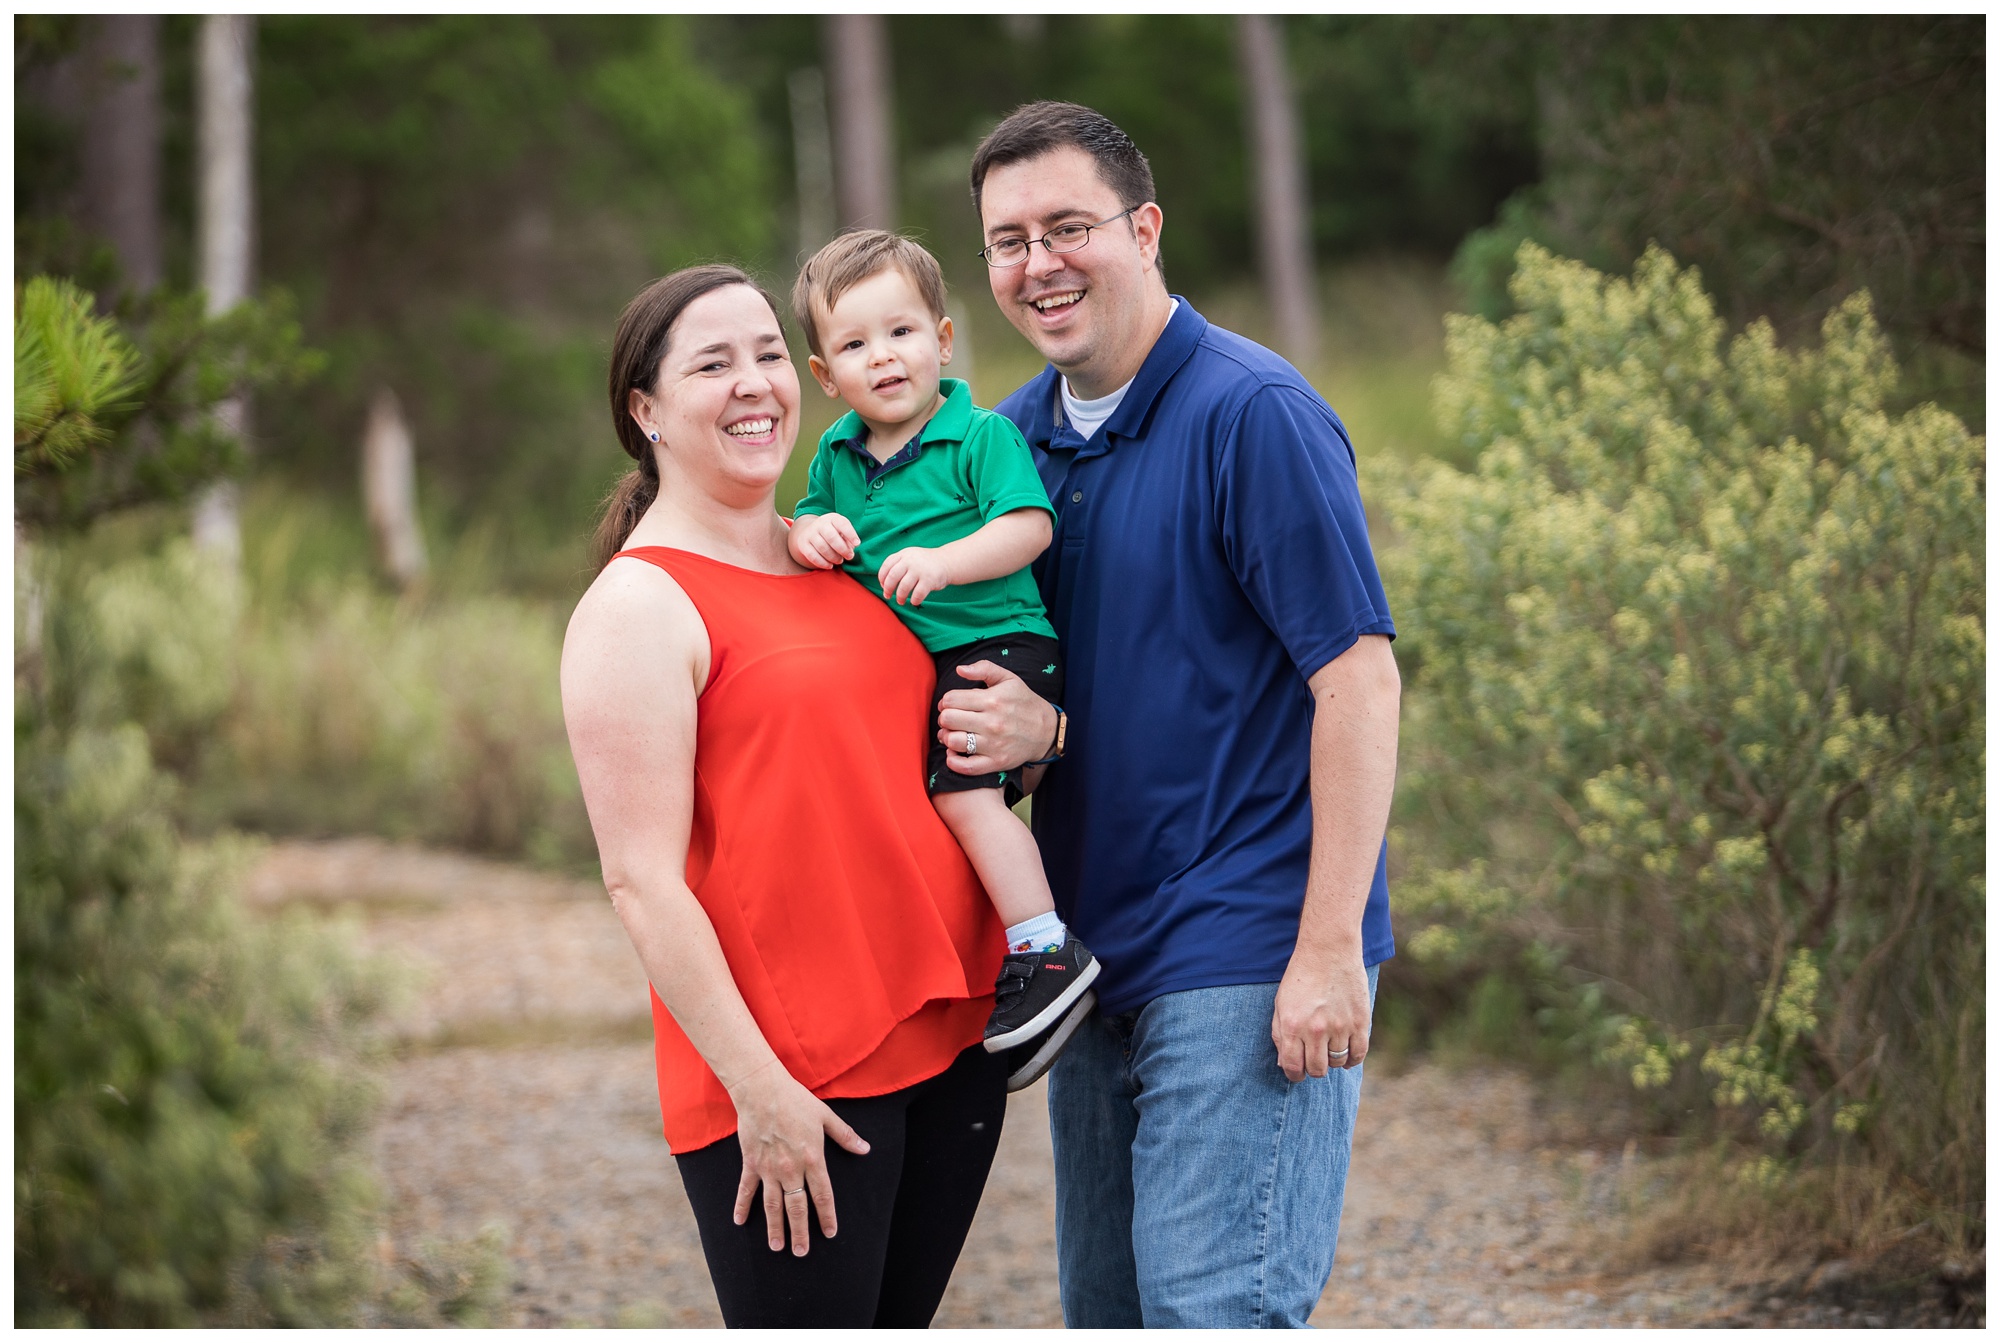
(1026, 1063)
(1034, 989)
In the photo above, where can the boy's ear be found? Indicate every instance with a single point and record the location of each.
(944, 340)
(822, 375)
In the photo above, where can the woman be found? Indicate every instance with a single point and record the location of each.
(750, 738)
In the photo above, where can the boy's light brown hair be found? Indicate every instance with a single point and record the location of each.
(853, 257)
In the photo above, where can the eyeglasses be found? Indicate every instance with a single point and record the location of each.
(1061, 238)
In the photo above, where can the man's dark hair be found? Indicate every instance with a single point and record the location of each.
(1035, 129)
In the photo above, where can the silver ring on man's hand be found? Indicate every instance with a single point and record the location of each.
(971, 743)
(800, 1190)
(1338, 1053)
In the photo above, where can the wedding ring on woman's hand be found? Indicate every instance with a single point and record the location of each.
(971, 743)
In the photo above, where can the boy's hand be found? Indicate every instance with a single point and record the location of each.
(912, 574)
(823, 540)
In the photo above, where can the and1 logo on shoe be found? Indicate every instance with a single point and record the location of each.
(1035, 989)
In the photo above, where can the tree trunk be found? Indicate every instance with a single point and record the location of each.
(120, 142)
(857, 61)
(225, 228)
(812, 159)
(1278, 171)
(389, 484)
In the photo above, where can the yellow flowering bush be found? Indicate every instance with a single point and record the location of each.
(1695, 658)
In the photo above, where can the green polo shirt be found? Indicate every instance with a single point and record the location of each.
(964, 468)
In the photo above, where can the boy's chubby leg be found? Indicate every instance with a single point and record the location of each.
(1043, 992)
(1002, 850)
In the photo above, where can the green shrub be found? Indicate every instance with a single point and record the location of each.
(1695, 742)
(108, 416)
(188, 1090)
(190, 1086)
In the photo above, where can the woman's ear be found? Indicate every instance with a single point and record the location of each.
(640, 407)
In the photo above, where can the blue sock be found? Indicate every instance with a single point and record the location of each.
(1044, 932)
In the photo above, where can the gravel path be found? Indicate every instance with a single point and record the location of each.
(523, 1096)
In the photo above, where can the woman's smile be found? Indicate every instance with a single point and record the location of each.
(757, 430)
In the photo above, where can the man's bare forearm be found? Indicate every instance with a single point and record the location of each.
(1356, 701)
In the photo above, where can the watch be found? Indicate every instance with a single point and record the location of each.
(1056, 746)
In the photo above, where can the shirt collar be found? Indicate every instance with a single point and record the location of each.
(1176, 342)
(950, 425)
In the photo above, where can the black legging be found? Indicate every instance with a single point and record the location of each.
(904, 1209)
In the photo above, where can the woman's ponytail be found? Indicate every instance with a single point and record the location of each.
(623, 507)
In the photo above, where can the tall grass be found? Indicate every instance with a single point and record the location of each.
(1381, 343)
(432, 717)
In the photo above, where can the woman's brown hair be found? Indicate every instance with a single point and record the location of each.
(636, 351)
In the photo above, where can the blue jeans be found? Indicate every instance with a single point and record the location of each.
(1195, 1186)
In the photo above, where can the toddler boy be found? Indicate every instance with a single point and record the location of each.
(934, 505)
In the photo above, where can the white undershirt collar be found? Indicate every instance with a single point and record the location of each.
(1087, 417)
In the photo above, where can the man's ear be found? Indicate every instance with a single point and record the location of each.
(822, 375)
(1147, 222)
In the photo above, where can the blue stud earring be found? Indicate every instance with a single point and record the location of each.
(654, 435)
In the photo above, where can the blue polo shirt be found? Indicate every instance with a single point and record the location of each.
(1209, 555)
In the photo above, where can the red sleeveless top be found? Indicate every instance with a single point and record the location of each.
(853, 924)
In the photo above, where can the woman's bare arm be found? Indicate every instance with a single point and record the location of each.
(633, 663)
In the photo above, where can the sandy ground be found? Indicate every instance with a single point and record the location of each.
(523, 1096)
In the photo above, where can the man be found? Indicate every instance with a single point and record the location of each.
(1215, 827)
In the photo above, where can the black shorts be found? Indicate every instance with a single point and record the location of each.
(1035, 658)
